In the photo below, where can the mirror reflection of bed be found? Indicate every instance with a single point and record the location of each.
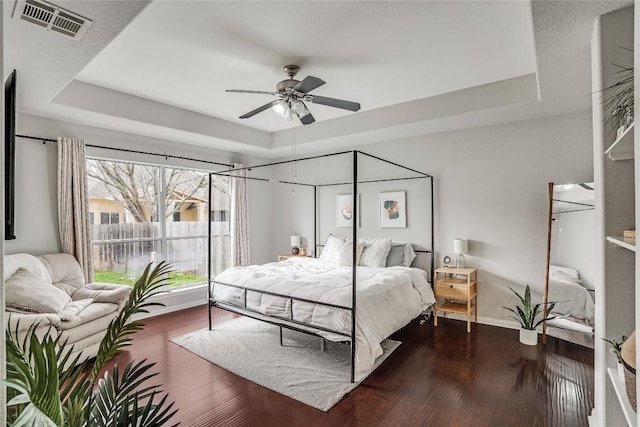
(571, 259)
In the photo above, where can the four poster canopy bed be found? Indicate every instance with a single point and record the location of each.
(358, 294)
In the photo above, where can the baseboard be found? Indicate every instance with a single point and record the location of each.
(176, 300)
(157, 311)
(491, 321)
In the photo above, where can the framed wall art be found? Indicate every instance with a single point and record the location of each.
(392, 208)
(344, 210)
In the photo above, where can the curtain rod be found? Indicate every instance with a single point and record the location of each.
(125, 150)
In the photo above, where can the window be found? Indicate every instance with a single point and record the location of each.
(92, 218)
(154, 213)
(109, 218)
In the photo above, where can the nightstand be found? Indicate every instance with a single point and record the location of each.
(458, 287)
(283, 257)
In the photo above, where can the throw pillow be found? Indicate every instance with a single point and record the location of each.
(344, 254)
(330, 250)
(27, 292)
(375, 252)
(396, 256)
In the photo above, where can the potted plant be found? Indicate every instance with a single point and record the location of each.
(526, 315)
(618, 99)
(616, 348)
(46, 387)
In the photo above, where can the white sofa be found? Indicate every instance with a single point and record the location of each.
(84, 329)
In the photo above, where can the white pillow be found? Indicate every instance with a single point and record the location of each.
(561, 277)
(25, 291)
(409, 255)
(344, 254)
(375, 252)
(556, 269)
(331, 248)
(29, 262)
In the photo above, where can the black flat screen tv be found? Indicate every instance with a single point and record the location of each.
(9, 156)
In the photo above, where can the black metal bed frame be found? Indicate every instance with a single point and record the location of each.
(291, 323)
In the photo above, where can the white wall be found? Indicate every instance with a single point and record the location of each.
(490, 187)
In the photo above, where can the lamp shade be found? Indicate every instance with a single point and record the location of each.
(460, 246)
(295, 240)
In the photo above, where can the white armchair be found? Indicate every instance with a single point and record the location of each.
(83, 321)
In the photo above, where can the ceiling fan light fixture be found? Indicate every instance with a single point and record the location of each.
(299, 108)
(282, 110)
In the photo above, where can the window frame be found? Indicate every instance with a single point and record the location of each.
(163, 239)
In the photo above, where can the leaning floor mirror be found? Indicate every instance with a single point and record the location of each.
(569, 280)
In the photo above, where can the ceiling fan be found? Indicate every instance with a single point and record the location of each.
(292, 94)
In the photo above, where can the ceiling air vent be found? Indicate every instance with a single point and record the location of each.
(52, 17)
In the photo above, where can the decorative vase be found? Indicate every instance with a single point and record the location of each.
(303, 251)
(620, 370)
(529, 337)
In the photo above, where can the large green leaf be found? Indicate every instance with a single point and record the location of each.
(526, 313)
(118, 397)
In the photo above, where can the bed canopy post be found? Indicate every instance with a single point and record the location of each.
(209, 252)
(354, 265)
(315, 221)
(433, 252)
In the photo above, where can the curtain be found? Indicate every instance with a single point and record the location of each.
(239, 217)
(73, 203)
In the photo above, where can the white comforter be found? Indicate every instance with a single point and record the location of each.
(572, 300)
(388, 298)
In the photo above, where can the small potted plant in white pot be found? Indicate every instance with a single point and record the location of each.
(526, 315)
(616, 348)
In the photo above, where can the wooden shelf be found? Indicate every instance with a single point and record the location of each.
(622, 148)
(453, 307)
(619, 387)
(629, 244)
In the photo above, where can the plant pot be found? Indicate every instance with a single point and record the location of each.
(529, 337)
(620, 370)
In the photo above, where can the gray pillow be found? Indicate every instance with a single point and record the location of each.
(396, 255)
(25, 291)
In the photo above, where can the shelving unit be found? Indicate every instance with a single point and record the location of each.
(622, 242)
(617, 300)
(619, 387)
(622, 148)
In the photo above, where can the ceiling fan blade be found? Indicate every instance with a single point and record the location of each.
(260, 109)
(333, 102)
(250, 91)
(307, 120)
(308, 84)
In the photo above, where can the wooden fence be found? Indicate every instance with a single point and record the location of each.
(189, 256)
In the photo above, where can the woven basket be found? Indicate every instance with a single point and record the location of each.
(628, 354)
(630, 385)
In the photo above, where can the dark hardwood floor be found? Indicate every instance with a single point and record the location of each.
(438, 377)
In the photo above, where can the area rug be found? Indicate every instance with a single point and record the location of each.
(299, 369)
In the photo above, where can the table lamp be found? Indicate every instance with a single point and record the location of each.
(295, 245)
(460, 246)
